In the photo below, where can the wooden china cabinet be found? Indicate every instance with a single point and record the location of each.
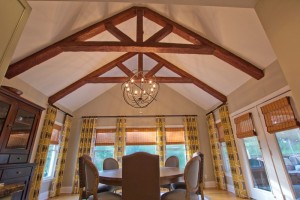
(19, 120)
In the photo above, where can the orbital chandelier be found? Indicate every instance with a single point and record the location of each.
(139, 90)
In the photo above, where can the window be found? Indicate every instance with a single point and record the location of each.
(225, 159)
(175, 144)
(52, 155)
(104, 147)
(140, 140)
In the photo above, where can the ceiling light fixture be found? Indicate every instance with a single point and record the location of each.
(139, 91)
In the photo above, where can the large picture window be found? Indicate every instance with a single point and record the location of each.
(175, 145)
(104, 146)
(140, 140)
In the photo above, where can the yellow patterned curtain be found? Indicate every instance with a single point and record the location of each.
(216, 152)
(161, 140)
(42, 151)
(87, 136)
(61, 160)
(120, 142)
(236, 170)
(191, 136)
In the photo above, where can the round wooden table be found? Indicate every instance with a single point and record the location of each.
(167, 175)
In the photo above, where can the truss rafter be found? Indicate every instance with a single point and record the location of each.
(77, 42)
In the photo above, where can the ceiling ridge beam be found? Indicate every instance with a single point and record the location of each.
(79, 83)
(195, 81)
(91, 46)
(54, 49)
(195, 38)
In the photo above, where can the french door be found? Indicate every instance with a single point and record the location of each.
(271, 162)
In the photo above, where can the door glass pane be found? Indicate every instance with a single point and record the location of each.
(20, 130)
(256, 162)
(289, 143)
(4, 107)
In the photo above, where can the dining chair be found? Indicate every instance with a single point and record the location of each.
(82, 179)
(140, 177)
(111, 163)
(191, 172)
(171, 161)
(182, 185)
(92, 181)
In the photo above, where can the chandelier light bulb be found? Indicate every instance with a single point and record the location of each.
(135, 91)
(132, 80)
(154, 85)
(126, 85)
(128, 89)
(150, 81)
(142, 79)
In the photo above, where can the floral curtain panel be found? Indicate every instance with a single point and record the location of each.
(236, 170)
(216, 152)
(61, 160)
(120, 141)
(161, 140)
(191, 135)
(42, 151)
(87, 138)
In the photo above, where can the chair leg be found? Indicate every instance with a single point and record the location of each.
(201, 191)
(80, 193)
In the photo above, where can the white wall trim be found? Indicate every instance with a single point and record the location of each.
(44, 195)
(66, 190)
(230, 188)
(209, 184)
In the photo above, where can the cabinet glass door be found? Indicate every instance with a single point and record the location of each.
(4, 108)
(20, 130)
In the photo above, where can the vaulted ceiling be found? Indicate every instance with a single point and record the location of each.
(82, 49)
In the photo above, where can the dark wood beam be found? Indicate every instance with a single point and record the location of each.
(32, 60)
(117, 33)
(161, 34)
(195, 38)
(154, 70)
(137, 47)
(195, 81)
(139, 25)
(74, 86)
(125, 69)
(173, 80)
(140, 62)
(54, 49)
(107, 79)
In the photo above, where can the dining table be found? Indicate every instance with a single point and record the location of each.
(167, 175)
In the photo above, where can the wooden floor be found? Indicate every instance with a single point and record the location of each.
(212, 194)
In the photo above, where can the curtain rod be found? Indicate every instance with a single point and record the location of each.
(136, 116)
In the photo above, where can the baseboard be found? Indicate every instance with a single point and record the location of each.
(44, 196)
(209, 184)
(66, 190)
(230, 188)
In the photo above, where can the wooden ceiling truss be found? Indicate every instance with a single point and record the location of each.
(140, 47)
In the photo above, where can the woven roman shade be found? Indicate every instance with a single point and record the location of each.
(220, 132)
(140, 136)
(244, 126)
(175, 135)
(279, 116)
(105, 137)
(55, 134)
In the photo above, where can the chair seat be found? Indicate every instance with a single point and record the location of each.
(178, 194)
(107, 196)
